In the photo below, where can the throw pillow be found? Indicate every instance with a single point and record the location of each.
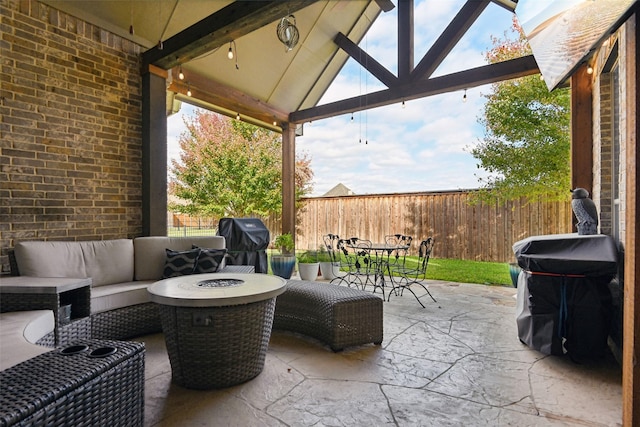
(180, 263)
(209, 260)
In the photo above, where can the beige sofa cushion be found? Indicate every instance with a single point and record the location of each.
(150, 252)
(104, 261)
(105, 298)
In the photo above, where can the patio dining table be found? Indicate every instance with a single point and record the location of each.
(379, 261)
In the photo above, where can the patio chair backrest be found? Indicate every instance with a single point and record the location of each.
(424, 253)
(397, 256)
(331, 245)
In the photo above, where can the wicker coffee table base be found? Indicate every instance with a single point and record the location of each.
(217, 347)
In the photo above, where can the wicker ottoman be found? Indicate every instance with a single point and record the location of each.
(87, 384)
(336, 315)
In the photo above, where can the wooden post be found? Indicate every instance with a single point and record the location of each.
(631, 321)
(288, 179)
(581, 130)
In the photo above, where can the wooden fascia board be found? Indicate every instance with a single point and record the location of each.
(231, 99)
(378, 70)
(458, 26)
(229, 23)
(478, 76)
(507, 4)
(385, 5)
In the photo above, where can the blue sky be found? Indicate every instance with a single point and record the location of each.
(418, 147)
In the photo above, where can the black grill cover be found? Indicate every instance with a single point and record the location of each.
(564, 303)
(247, 240)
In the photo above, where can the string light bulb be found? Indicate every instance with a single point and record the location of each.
(230, 52)
(589, 69)
(403, 105)
(180, 74)
(351, 117)
(189, 89)
(237, 116)
(464, 97)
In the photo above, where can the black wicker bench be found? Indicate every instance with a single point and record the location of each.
(336, 315)
(91, 383)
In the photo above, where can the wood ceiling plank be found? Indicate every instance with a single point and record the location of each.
(229, 23)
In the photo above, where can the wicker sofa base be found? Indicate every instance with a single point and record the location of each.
(88, 388)
(336, 315)
(126, 322)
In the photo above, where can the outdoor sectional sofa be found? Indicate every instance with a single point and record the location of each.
(116, 305)
(83, 295)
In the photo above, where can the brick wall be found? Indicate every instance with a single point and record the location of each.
(70, 124)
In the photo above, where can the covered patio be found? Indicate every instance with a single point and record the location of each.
(86, 159)
(457, 362)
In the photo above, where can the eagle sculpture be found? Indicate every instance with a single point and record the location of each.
(585, 211)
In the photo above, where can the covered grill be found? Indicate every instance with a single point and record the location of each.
(247, 240)
(564, 303)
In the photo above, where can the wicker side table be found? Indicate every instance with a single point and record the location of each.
(91, 387)
(20, 293)
(216, 326)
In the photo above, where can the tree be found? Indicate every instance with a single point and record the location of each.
(526, 146)
(231, 168)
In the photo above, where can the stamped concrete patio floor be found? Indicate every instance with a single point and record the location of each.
(457, 362)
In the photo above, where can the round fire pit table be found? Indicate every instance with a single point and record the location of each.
(216, 326)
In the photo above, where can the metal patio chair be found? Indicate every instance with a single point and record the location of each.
(403, 277)
(355, 258)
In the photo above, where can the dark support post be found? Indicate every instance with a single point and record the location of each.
(288, 179)
(154, 152)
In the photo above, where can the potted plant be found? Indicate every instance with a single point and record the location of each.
(308, 265)
(328, 267)
(282, 264)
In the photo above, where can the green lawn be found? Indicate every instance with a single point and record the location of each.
(455, 270)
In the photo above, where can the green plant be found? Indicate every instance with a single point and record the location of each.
(307, 257)
(323, 255)
(285, 243)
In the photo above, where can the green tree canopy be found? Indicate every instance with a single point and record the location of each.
(526, 146)
(231, 168)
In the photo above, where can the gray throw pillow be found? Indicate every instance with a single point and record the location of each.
(180, 263)
(209, 260)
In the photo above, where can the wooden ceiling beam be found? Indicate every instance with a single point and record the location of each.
(449, 38)
(230, 99)
(378, 70)
(478, 76)
(229, 23)
(405, 40)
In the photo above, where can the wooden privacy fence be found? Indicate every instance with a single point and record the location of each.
(482, 232)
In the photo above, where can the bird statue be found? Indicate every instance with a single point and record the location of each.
(585, 211)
